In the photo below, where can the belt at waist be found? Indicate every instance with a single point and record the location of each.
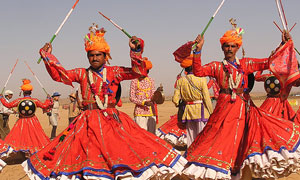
(229, 91)
(95, 106)
(194, 102)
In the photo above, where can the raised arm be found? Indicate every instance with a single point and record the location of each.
(44, 105)
(261, 77)
(9, 104)
(55, 69)
(198, 70)
(138, 67)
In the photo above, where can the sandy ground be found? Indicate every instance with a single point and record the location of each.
(15, 171)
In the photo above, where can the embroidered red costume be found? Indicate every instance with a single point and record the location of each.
(103, 143)
(273, 103)
(27, 135)
(173, 134)
(238, 132)
(5, 150)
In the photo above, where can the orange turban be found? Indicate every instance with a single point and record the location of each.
(187, 62)
(234, 35)
(95, 41)
(148, 63)
(26, 85)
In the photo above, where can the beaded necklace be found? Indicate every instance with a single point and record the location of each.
(93, 89)
(233, 84)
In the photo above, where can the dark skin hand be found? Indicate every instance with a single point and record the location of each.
(134, 43)
(285, 37)
(148, 103)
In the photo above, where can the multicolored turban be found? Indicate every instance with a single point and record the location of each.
(233, 35)
(187, 62)
(95, 41)
(26, 85)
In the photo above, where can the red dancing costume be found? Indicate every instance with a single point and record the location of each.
(27, 135)
(273, 103)
(103, 142)
(238, 133)
(173, 134)
(5, 150)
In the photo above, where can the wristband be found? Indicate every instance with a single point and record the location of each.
(197, 52)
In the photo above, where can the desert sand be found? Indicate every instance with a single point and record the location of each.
(15, 171)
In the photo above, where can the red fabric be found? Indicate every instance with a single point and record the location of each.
(115, 75)
(278, 107)
(268, 132)
(156, 113)
(50, 59)
(261, 77)
(284, 66)
(275, 105)
(171, 127)
(228, 121)
(27, 135)
(3, 147)
(216, 89)
(101, 145)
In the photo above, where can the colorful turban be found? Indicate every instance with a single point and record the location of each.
(148, 63)
(26, 85)
(95, 41)
(187, 62)
(234, 35)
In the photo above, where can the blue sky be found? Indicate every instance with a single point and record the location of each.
(163, 24)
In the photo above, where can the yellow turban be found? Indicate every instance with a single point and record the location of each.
(187, 62)
(26, 85)
(234, 35)
(95, 41)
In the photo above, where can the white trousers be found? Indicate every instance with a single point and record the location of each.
(192, 130)
(146, 122)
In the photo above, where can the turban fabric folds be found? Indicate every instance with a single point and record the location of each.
(26, 85)
(95, 41)
(187, 62)
(234, 35)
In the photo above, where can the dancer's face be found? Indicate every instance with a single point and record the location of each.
(96, 58)
(230, 49)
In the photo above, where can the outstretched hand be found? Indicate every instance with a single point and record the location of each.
(47, 48)
(134, 43)
(285, 36)
(200, 41)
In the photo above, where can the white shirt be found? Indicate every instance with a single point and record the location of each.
(5, 110)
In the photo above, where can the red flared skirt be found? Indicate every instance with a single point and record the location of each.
(5, 150)
(173, 134)
(281, 108)
(27, 136)
(238, 135)
(271, 146)
(105, 144)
